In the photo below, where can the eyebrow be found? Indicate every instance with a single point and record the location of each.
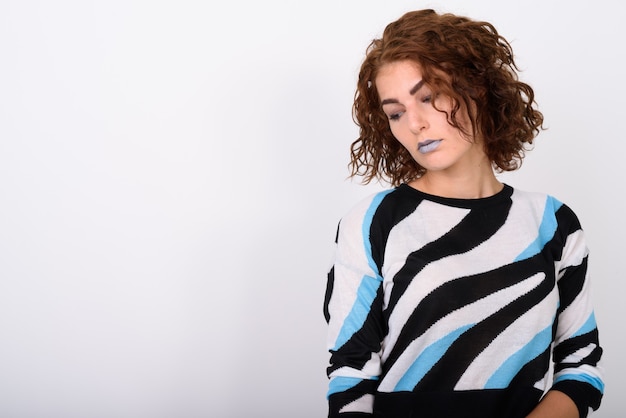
(413, 90)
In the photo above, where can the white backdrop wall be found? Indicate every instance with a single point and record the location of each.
(171, 176)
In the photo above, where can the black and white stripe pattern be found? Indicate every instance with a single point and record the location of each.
(453, 297)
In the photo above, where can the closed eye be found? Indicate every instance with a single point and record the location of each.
(394, 116)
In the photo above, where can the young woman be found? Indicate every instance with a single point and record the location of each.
(452, 294)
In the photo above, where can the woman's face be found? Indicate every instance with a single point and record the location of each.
(423, 130)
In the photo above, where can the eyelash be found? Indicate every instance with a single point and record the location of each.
(396, 116)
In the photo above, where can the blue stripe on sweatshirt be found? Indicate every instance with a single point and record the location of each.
(546, 229)
(356, 318)
(509, 369)
(366, 293)
(593, 381)
(429, 357)
(588, 326)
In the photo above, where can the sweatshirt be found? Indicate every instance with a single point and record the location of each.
(441, 307)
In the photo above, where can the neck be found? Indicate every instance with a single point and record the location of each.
(480, 184)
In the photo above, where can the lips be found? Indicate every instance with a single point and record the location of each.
(429, 145)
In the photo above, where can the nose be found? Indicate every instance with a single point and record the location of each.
(417, 121)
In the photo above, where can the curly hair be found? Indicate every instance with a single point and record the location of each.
(466, 60)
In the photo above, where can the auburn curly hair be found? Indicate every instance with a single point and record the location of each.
(466, 60)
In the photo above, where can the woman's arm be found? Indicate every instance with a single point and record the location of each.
(577, 351)
(555, 405)
(353, 307)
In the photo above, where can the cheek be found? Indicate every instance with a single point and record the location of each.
(399, 137)
(398, 132)
(408, 145)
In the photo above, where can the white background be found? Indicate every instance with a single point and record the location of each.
(171, 176)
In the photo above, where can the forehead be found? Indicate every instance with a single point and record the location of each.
(397, 77)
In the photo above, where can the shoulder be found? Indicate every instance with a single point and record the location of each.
(535, 198)
(547, 206)
(365, 209)
(540, 201)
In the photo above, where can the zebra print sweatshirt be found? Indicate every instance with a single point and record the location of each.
(446, 308)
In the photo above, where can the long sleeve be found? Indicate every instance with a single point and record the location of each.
(353, 309)
(459, 307)
(577, 351)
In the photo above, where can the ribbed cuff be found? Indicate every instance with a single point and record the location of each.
(583, 395)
